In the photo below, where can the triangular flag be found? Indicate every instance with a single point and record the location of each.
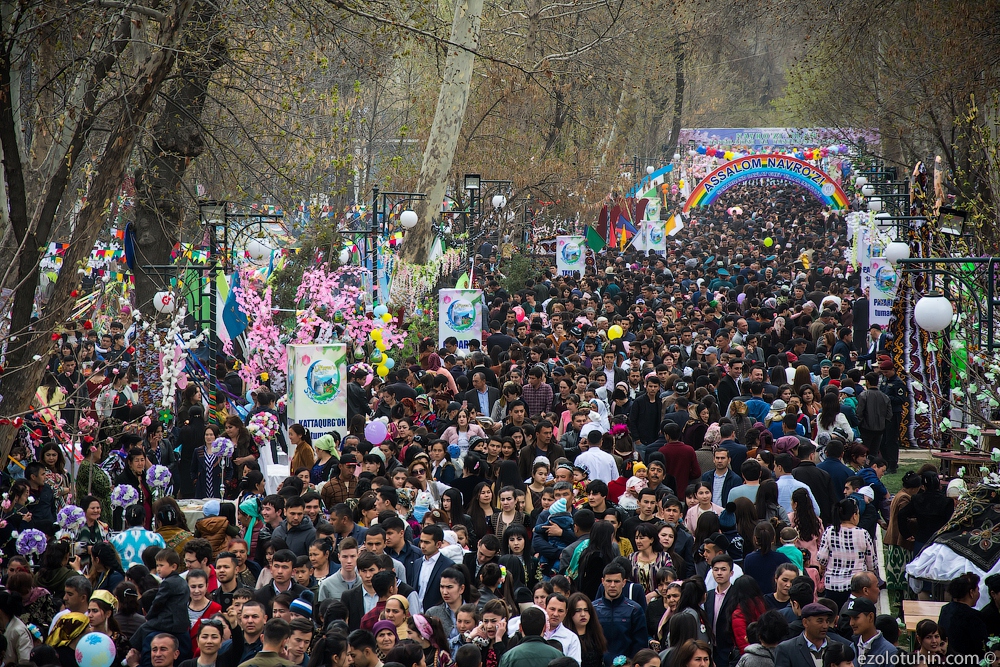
(594, 240)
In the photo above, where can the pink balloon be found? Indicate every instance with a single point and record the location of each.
(375, 432)
(519, 312)
(182, 381)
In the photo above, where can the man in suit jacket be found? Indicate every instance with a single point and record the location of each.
(808, 647)
(719, 609)
(729, 385)
(730, 480)
(487, 551)
(425, 574)
(481, 392)
(354, 598)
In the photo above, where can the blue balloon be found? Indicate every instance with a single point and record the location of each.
(669, 168)
(701, 150)
(389, 363)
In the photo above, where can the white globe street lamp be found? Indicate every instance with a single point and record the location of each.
(896, 251)
(650, 170)
(860, 181)
(408, 219)
(499, 201)
(875, 204)
(933, 312)
(677, 157)
(867, 190)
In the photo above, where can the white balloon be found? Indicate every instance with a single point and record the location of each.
(257, 250)
(164, 302)
(345, 256)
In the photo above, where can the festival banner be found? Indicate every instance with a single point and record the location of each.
(571, 255)
(460, 314)
(764, 137)
(779, 167)
(882, 292)
(655, 234)
(317, 381)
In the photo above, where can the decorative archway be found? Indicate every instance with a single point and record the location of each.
(781, 167)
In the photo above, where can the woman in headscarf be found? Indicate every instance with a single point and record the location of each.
(385, 638)
(325, 447)
(101, 612)
(191, 437)
(251, 522)
(66, 635)
(397, 612)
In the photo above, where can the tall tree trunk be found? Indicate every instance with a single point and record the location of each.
(177, 141)
(446, 128)
(24, 372)
(675, 126)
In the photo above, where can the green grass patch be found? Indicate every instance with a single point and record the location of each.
(894, 482)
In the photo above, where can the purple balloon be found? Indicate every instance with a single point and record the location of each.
(740, 297)
(375, 432)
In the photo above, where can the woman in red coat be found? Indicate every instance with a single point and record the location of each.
(748, 605)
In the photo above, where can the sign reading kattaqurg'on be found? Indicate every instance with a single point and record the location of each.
(317, 387)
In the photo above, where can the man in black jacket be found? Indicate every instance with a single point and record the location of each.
(729, 386)
(647, 412)
(818, 481)
(357, 395)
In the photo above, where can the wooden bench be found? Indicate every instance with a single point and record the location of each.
(915, 611)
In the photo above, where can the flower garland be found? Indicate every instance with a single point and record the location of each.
(172, 354)
(332, 301)
(264, 338)
(412, 282)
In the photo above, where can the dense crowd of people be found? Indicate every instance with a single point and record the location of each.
(670, 460)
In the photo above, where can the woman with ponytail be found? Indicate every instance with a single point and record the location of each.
(844, 550)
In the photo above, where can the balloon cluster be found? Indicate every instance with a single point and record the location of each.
(383, 362)
(807, 154)
(382, 313)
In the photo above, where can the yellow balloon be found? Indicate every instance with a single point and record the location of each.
(614, 332)
(387, 318)
(768, 242)
(376, 334)
(382, 370)
(728, 155)
(382, 347)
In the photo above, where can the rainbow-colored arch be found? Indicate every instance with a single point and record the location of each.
(782, 167)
